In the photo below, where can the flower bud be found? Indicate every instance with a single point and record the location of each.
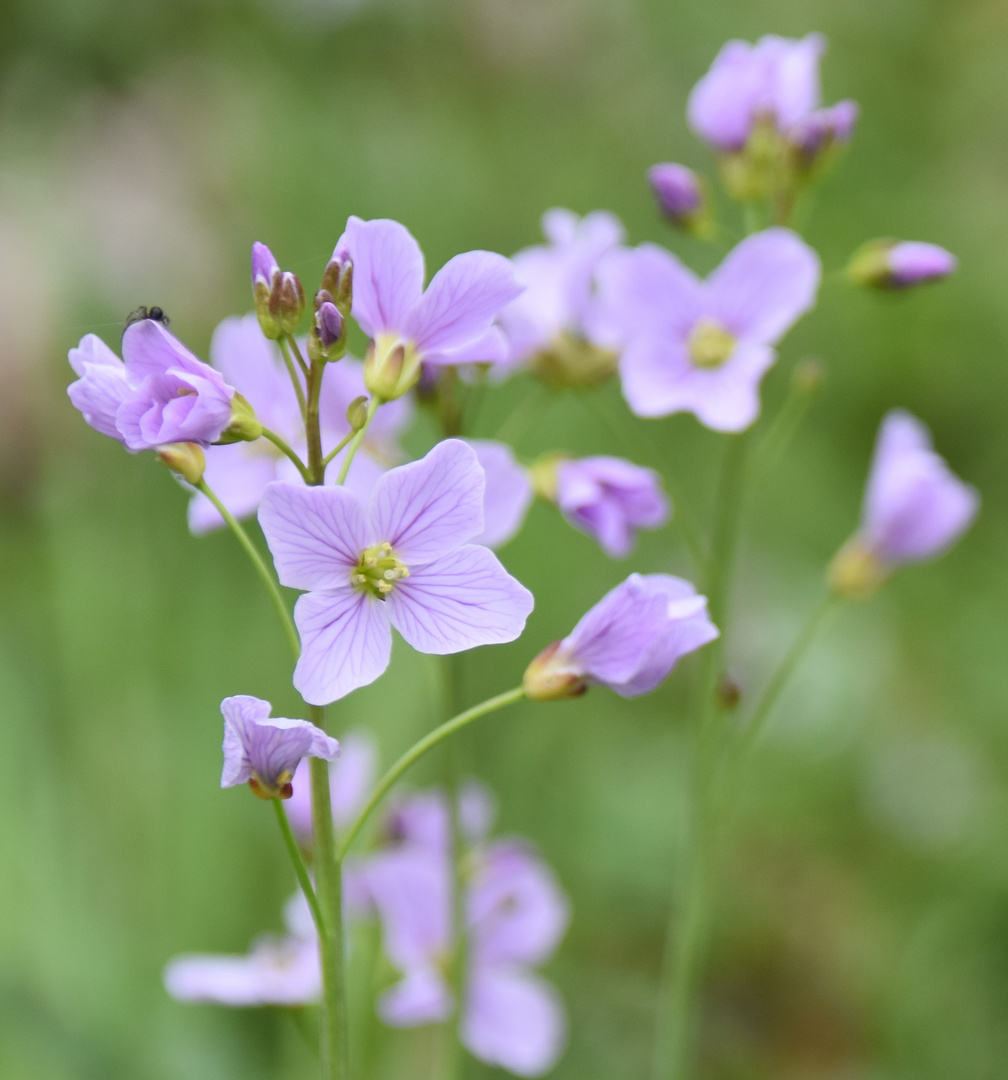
(682, 197)
(856, 571)
(570, 363)
(891, 264)
(327, 340)
(286, 302)
(185, 459)
(551, 677)
(814, 135)
(338, 280)
(265, 270)
(357, 412)
(391, 367)
(243, 425)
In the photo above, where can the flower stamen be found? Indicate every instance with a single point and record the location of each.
(378, 570)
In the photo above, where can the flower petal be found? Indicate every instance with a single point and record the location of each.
(411, 888)
(432, 506)
(507, 493)
(462, 301)
(459, 602)
(490, 347)
(422, 997)
(102, 386)
(764, 285)
(315, 534)
(514, 1019)
(345, 643)
(388, 273)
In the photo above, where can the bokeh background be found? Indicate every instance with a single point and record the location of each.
(861, 925)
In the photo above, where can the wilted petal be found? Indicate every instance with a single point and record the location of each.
(346, 642)
(514, 1019)
(764, 285)
(459, 602)
(422, 997)
(388, 273)
(315, 534)
(461, 301)
(507, 492)
(429, 507)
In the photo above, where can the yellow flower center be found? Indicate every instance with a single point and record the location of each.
(378, 570)
(710, 344)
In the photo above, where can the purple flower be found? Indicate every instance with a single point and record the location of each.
(704, 346)
(914, 508)
(609, 499)
(161, 394)
(265, 751)
(629, 641)
(892, 264)
(678, 192)
(515, 915)
(449, 323)
(507, 492)
(239, 473)
(775, 81)
(556, 311)
(401, 559)
(350, 778)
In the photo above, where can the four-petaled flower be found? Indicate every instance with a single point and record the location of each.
(704, 346)
(629, 641)
(401, 559)
(264, 751)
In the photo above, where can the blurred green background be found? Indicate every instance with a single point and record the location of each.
(861, 926)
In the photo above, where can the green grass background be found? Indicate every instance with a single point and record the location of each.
(860, 928)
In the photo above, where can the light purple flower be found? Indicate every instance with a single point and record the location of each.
(559, 299)
(277, 971)
(507, 492)
(609, 499)
(629, 641)
(264, 751)
(160, 393)
(239, 473)
(515, 916)
(350, 778)
(774, 81)
(704, 346)
(449, 323)
(677, 190)
(915, 506)
(401, 559)
(914, 262)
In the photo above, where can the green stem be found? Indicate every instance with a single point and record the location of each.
(418, 750)
(282, 446)
(682, 516)
(302, 364)
(257, 561)
(299, 868)
(805, 382)
(294, 377)
(357, 439)
(337, 448)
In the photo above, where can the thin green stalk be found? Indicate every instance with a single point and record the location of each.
(682, 516)
(257, 561)
(294, 377)
(805, 382)
(296, 350)
(337, 448)
(418, 750)
(299, 868)
(357, 440)
(284, 449)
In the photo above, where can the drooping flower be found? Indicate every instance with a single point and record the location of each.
(158, 394)
(507, 492)
(606, 497)
(915, 508)
(704, 346)
(774, 82)
(629, 641)
(514, 917)
(550, 327)
(449, 323)
(893, 264)
(401, 559)
(264, 751)
(238, 474)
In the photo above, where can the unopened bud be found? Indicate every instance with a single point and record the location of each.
(391, 367)
(357, 413)
(892, 264)
(818, 132)
(287, 301)
(243, 425)
(186, 459)
(856, 571)
(265, 271)
(550, 677)
(327, 340)
(338, 280)
(682, 197)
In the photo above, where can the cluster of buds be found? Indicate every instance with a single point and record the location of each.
(278, 295)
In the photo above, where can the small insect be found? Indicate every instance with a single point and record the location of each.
(141, 313)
